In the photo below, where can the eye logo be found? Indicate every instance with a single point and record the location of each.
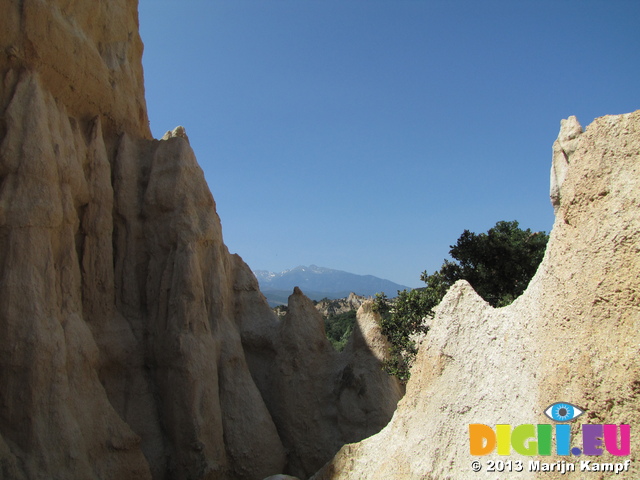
(563, 412)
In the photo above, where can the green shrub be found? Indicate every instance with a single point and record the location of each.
(338, 328)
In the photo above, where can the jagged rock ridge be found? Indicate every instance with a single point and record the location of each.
(341, 305)
(572, 336)
(133, 344)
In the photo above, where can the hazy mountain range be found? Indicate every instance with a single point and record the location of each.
(319, 282)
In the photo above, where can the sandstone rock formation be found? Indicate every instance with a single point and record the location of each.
(341, 305)
(86, 53)
(320, 399)
(563, 148)
(132, 344)
(573, 336)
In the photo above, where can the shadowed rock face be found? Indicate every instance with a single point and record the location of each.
(128, 333)
(573, 336)
(321, 399)
(118, 307)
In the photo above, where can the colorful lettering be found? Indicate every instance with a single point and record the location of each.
(482, 439)
(520, 435)
(504, 439)
(532, 440)
(611, 439)
(592, 439)
(563, 439)
(544, 439)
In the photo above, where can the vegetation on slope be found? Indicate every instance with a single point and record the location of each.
(339, 327)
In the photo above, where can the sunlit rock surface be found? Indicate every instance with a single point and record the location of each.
(132, 344)
(573, 336)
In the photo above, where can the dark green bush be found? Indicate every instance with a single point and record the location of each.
(338, 328)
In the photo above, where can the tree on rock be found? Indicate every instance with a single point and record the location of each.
(498, 264)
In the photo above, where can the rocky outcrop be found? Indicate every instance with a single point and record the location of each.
(128, 332)
(572, 336)
(329, 307)
(319, 398)
(86, 53)
(563, 148)
(118, 298)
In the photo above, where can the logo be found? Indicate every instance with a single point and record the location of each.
(563, 412)
(529, 439)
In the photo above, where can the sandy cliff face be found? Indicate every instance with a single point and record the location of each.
(573, 336)
(86, 53)
(117, 308)
(321, 399)
(127, 330)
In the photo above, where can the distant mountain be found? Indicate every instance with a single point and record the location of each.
(318, 283)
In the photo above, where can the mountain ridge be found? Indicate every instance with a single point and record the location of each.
(321, 282)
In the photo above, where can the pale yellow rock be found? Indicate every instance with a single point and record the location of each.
(88, 56)
(573, 336)
(341, 305)
(563, 149)
(132, 344)
(49, 359)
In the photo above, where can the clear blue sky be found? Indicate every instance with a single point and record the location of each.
(366, 135)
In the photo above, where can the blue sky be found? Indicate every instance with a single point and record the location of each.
(366, 135)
